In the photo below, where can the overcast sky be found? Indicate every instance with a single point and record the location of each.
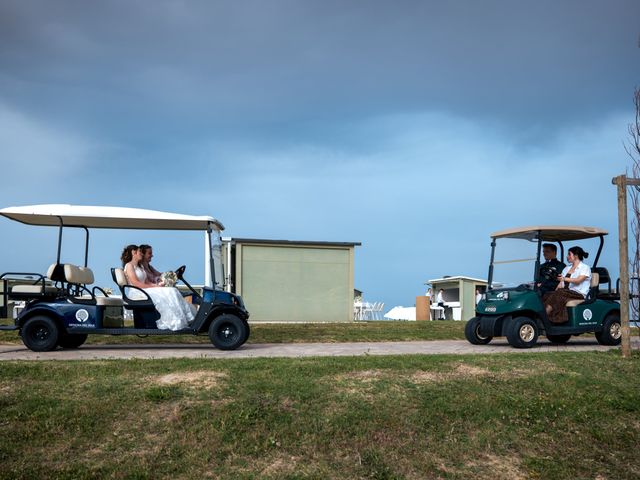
(414, 127)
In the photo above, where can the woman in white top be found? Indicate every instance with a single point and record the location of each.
(175, 312)
(575, 282)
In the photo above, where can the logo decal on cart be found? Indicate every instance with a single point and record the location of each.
(587, 314)
(82, 315)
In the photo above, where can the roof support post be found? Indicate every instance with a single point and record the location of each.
(59, 240)
(208, 261)
(595, 262)
(490, 277)
(228, 286)
(86, 248)
(536, 268)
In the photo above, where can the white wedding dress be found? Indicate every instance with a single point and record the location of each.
(175, 312)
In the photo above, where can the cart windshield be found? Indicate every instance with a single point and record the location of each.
(514, 262)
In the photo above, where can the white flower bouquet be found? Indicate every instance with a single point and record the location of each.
(169, 279)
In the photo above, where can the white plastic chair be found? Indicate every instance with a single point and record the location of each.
(378, 311)
(367, 311)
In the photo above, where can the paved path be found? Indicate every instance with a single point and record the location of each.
(293, 350)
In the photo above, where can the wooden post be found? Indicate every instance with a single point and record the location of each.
(621, 182)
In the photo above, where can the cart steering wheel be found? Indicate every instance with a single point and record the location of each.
(180, 271)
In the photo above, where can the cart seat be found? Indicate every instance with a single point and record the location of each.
(78, 275)
(81, 277)
(104, 301)
(35, 290)
(40, 288)
(595, 281)
(145, 314)
(141, 298)
(109, 301)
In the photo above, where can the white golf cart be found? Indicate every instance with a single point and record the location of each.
(62, 307)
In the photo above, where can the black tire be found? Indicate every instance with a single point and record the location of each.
(472, 333)
(227, 332)
(611, 333)
(523, 333)
(40, 334)
(72, 340)
(558, 338)
(248, 332)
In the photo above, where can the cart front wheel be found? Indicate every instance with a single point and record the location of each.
(40, 334)
(523, 333)
(227, 332)
(472, 333)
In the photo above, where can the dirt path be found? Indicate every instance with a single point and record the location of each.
(292, 350)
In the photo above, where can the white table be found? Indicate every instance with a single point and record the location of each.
(361, 310)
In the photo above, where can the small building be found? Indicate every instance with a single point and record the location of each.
(459, 294)
(291, 281)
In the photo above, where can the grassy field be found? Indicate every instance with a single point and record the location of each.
(304, 333)
(563, 415)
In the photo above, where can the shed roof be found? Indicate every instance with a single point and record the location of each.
(454, 279)
(263, 241)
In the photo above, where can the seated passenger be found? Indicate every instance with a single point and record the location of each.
(574, 283)
(175, 312)
(153, 275)
(552, 267)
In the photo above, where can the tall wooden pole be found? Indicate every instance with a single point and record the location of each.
(621, 182)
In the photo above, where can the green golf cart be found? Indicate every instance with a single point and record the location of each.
(518, 312)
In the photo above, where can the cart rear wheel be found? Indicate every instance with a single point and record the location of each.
(523, 333)
(228, 332)
(611, 333)
(72, 340)
(40, 334)
(472, 333)
(558, 338)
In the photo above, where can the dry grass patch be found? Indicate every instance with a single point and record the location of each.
(494, 467)
(204, 379)
(280, 465)
(6, 388)
(365, 376)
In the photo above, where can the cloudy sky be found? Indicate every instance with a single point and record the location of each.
(414, 127)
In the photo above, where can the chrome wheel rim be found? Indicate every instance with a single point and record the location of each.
(615, 331)
(526, 333)
(478, 334)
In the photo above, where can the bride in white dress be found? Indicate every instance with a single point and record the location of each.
(175, 312)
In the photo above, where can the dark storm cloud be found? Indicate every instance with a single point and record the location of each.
(135, 70)
(414, 127)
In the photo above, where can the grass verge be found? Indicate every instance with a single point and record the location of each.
(563, 415)
(380, 331)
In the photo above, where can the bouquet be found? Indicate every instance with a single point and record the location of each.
(168, 279)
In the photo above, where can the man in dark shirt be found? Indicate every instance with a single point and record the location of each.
(550, 269)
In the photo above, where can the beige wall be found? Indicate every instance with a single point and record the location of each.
(295, 283)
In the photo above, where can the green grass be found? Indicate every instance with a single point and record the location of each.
(305, 333)
(562, 415)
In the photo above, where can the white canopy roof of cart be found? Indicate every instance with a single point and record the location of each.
(108, 217)
(551, 233)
